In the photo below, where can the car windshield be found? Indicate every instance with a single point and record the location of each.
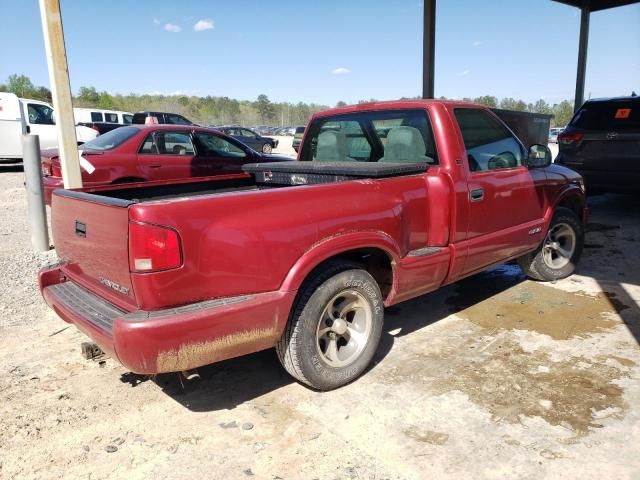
(111, 140)
(300, 130)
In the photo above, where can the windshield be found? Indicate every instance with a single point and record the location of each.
(300, 130)
(111, 140)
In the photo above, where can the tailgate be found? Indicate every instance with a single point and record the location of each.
(90, 235)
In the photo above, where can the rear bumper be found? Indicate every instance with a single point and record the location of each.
(175, 339)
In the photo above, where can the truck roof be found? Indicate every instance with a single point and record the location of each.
(394, 104)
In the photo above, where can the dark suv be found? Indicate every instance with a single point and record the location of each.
(602, 143)
(142, 118)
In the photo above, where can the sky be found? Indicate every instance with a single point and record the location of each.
(327, 51)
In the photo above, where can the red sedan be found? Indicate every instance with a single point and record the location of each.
(141, 153)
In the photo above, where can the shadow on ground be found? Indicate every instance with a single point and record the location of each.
(11, 168)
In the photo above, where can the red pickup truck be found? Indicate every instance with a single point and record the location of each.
(387, 201)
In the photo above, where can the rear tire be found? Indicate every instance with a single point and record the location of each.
(334, 329)
(558, 255)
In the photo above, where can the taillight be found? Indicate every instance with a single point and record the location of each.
(153, 248)
(569, 138)
(46, 168)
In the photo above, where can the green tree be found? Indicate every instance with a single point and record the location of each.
(105, 100)
(341, 104)
(563, 112)
(44, 94)
(541, 107)
(265, 108)
(488, 100)
(20, 85)
(89, 95)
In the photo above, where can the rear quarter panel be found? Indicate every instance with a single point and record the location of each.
(248, 242)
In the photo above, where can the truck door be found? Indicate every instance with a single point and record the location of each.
(11, 126)
(506, 203)
(39, 120)
(166, 154)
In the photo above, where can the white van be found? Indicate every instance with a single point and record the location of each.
(21, 115)
(91, 115)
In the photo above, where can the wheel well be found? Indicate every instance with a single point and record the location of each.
(375, 261)
(573, 203)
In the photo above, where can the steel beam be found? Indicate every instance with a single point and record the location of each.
(582, 55)
(428, 48)
(61, 92)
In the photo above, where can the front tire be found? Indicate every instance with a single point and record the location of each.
(558, 255)
(334, 329)
(266, 148)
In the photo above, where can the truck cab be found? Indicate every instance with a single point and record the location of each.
(19, 116)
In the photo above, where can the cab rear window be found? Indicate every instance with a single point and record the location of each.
(397, 136)
(608, 116)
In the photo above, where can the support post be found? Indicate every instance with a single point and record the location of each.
(61, 92)
(582, 55)
(428, 48)
(35, 192)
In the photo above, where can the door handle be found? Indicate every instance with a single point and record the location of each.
(477, 194)
(155, 166)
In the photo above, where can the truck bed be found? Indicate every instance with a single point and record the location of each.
(264, 176)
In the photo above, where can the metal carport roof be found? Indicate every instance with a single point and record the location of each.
(586, 7)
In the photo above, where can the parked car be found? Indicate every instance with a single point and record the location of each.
(97, 115)
(602, 143)
(297, 138)
(390, 201)
(553, 134)
(251, 138)
(141, 153)
(22, 115)
(141, 118)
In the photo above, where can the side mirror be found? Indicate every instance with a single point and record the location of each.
(539, 156)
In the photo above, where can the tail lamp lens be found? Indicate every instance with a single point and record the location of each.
(569, 138)
(153, 248)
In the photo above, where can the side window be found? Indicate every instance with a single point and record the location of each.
(111, 117)
(40, 114)
(167, 143)
(489, 145)
(127, 119)
(96, 116)
(247, 133)
(212, 145)
(176, 120)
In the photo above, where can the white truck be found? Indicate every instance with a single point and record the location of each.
(21, 115)
(91, 115)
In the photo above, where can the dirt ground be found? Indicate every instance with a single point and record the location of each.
(496, 377)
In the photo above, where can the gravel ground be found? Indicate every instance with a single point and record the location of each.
(495, 377)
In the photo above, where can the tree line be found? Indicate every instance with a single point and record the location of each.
(224, 110)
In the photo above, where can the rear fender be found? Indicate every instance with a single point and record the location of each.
(334, 246)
